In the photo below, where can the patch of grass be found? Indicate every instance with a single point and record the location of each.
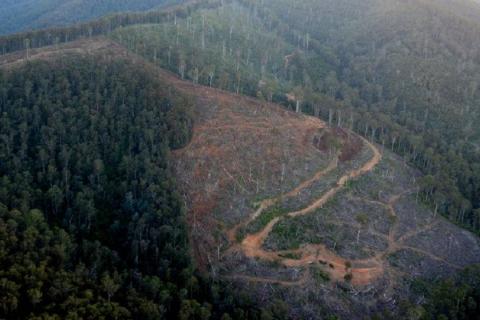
(392, 219)
(335, 200)
(255, 205)
(348, 277)
(274, 264)
(267, 216)
(257, 200)
(241, 234)
(289, 234)
(319, 275)
(292, 255)
(348, 185)
(362, 218)
(394, 259)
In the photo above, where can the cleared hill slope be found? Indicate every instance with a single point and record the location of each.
(402, 72)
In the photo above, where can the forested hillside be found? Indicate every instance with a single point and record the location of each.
(91, 225)
(224, 48)
(87, 197)
(25, 15)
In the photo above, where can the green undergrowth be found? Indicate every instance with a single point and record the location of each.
(265, 217)
(289, 232)
(319, 275)
(241, 234)
(291, 255)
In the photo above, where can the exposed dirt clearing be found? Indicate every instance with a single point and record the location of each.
(342, 181)
(252, 244)
(360, 272)
(267, 203)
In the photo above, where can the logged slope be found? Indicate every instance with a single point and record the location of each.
(237, 179)
(404, 73)
(245, 150)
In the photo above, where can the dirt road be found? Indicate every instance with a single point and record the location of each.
(252, 244)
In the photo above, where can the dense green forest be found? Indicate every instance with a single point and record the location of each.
(26, 15)
(454, 298)
(90, 223)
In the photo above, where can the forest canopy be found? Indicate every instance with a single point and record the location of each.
(90, 223)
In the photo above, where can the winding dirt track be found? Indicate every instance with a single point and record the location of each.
(251, 246)
(265, 204)
(362, 271)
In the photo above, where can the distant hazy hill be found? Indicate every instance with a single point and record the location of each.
(24, 15)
